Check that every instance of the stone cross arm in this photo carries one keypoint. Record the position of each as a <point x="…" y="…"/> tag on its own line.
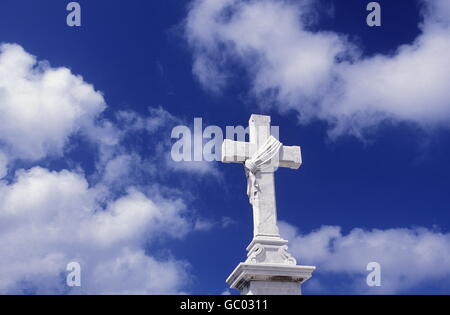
<point x="239" y="152"/>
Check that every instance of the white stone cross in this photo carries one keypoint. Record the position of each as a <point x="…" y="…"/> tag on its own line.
<point x="263" y="197"/>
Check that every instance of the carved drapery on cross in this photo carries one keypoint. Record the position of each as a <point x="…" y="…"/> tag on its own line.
<point x="261" y="156"/>
<point x="267" y="156"/>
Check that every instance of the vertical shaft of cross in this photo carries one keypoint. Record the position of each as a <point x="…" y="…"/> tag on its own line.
<point x="264" y="202"/>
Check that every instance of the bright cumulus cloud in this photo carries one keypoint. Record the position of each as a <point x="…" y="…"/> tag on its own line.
<point x="322" y="74"/>
<point x="106" y="221"/>
<point x="49" y="219"/>
<point x="408" y="257"/>
<point x="40" y="106"/>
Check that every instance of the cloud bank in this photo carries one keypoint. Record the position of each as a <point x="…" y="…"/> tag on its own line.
<point x="108" y="220"/>
<point x="322" y="74"/>
<point x="408" y="257"/>
<point x="49" y="219"/>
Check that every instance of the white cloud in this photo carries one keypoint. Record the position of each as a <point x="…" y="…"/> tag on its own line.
<point x="322" y="74"/>
<point x="117" y="168"/>
<point x="203" y="225"/>
<point x="227" y="221"/>
<point x="134" y="216"/>
<point x="157" y="119"/>
<point x="157" y="277"/>
<point x="207" y="225"/>
<point x="109" y="223"/>
<point x="40" y="106"/>
<point x="49" y="219"/>
<point x="3" y="165"/>
<point x="409" y="258"/>
<point x="200" y="168"/>
<point x="160" y="121"/>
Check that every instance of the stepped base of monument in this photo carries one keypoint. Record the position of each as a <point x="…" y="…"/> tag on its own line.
<point x="269" y="279"/>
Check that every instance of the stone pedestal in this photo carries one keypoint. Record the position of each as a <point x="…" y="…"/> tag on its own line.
<point x="269" y="270"/>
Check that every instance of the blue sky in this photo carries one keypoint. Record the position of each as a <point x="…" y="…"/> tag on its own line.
<point x="373" y="129"/>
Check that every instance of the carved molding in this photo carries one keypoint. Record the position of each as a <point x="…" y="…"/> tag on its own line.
<point x="261" y="253"/>
<point x="254" y="254"/>
<point x="288" y="258"/>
